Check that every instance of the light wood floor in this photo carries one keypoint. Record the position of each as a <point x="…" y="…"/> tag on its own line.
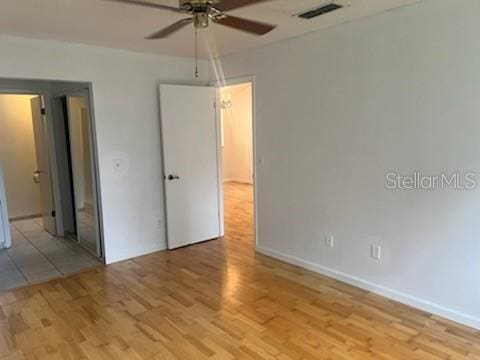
<point x="218" y="300"/>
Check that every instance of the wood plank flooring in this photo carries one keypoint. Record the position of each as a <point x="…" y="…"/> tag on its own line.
<point x="218" y="300"/>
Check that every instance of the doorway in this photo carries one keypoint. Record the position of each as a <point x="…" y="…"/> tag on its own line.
<point x="208" y="162"/>
<point x="47" y="160"/>
<point x="237" y="149"/>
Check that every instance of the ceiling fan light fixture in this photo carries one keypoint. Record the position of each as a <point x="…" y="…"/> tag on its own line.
<point x="192" y="6"/>
<point x="201" y="20"/>
<point x="200" y="13"/>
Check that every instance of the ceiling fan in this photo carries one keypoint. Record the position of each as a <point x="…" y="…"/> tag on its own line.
<point x="204" y="11"/>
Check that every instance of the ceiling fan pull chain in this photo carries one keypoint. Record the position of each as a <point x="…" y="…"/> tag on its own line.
<point x="197" y="74"/>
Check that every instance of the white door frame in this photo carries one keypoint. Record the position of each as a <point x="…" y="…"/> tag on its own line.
<point x="229" y="82"/>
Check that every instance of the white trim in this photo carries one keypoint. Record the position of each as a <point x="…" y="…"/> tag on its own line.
<point x="395" y="295"/>
<point x="219" y="144"/>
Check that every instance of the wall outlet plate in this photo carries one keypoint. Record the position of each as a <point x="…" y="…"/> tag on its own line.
<point x="376" y="252"/>
<point x="330" y="241"/>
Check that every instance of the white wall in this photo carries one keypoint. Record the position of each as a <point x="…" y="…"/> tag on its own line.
<point x="127" y="124"/>
<point x="238" y="134"/>
<point x="17" y="155"/>
<point x="338" y="109"/>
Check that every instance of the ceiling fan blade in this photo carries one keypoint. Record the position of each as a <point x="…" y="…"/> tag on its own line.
<point x="170" y="29"/>
<point x="147" y="4"/>
<point x="253" y="27"/>
<point x="226" y="5"/>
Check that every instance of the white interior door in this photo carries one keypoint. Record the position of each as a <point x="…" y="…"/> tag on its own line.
<point x="191" y="169"/>
<point x="43" y="172"/>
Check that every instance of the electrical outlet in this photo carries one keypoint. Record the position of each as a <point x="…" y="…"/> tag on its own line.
<point x="376" y="252"/>
<point x="329" y="241"/>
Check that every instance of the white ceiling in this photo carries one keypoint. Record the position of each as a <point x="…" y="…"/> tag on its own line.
<point x="115" y="25"/>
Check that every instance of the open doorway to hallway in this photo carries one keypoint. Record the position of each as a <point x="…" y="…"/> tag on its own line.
<point x="48" y="181"/>
<point x="236" y="103"/>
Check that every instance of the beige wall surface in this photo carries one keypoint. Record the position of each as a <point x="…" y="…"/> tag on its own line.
<point x="17" y="155"/>
<point x="238" y="134"/>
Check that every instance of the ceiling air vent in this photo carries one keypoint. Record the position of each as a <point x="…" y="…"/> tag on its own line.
<point x="313" y="13"/>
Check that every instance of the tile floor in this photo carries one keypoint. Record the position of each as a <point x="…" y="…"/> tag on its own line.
<point x="37" y="256"/>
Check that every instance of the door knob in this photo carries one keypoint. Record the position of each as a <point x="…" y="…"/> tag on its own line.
<point x="36" y="177"/>
<point x="173" y="177"/>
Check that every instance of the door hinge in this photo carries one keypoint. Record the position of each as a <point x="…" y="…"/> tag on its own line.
<point x="43" y="111"/>
<point x="53" y="213"/>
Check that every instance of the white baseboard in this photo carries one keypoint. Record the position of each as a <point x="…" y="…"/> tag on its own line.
<point x="395" y="295"/>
